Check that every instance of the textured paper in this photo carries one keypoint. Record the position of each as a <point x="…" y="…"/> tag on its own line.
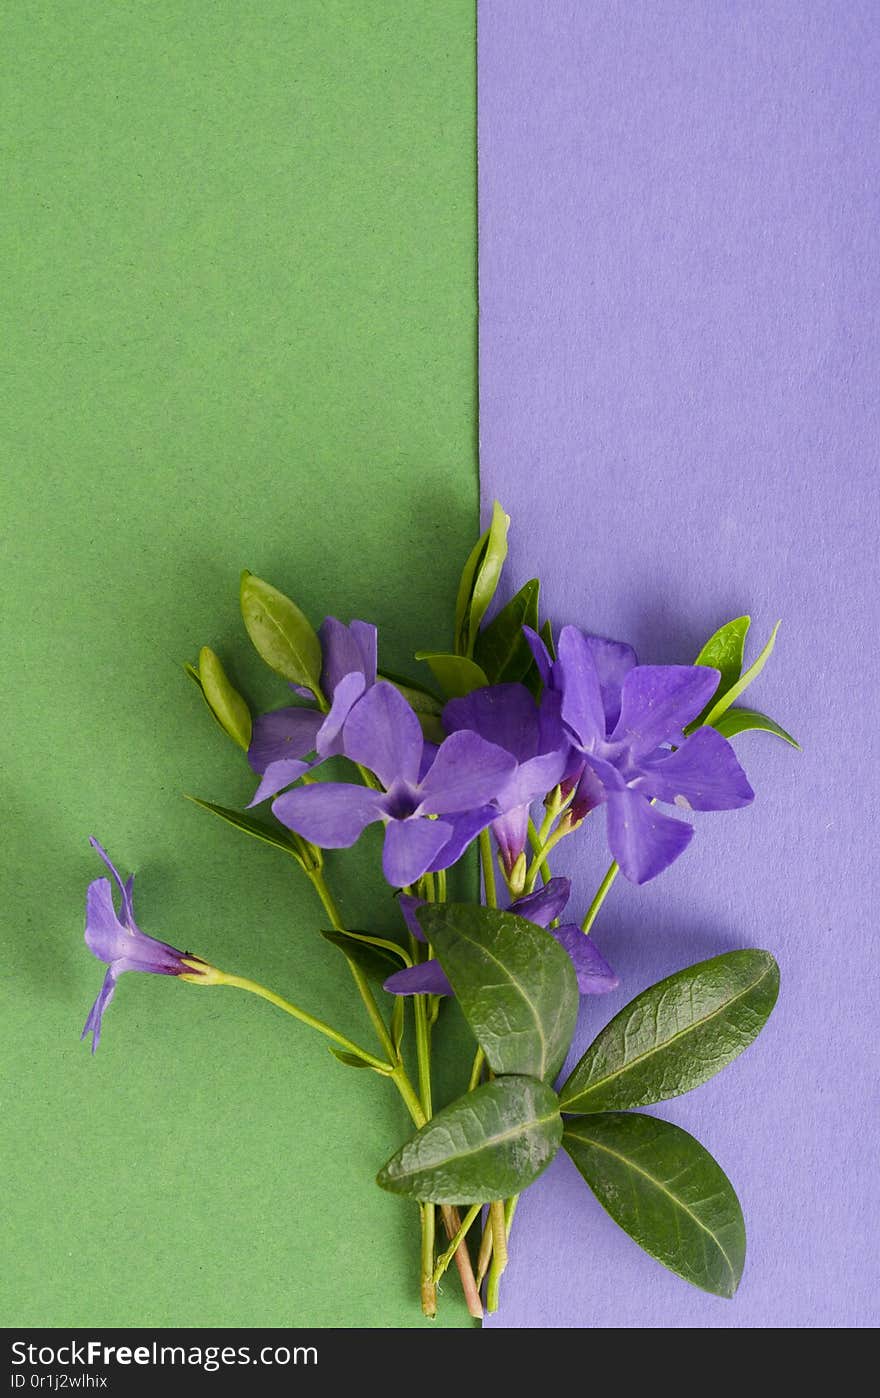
<point x="678" y="406"/>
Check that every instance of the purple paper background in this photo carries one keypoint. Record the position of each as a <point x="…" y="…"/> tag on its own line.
<point x="678" y="406"/>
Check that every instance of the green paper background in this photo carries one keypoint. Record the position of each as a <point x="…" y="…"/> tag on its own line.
<point x="239" y="311"/>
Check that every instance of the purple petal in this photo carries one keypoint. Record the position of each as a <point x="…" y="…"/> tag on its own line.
<point x="283" y="734"/>
<point x="429" y="752"/>
<point x="466" y="772"/>
<point x="703" y="775"/>
<point x="541" y="654"/>
<point x="511" y="831"/>
<point x="658" y="700"/>
<point x="464" y="828"/>
<point x="428" y="978"/>
<point x="343" y="651"/>
<point x="367" y="638"/>
<point x="126" y="947"/>
<point x="546" y="904"/>
<point x="533" y="779"/>
<point x="330" y="814"/>
<point x="409" y="906"/>
<point x="410" y="846"/>
<point x="125" y="889"/>
<point x="505" y="714"/>
<point x="96" y="1013"/>
<point x="277" y="776"/>
<point x="384" y="734"/>
<point x="594" y="975"/>
<point x="590" y="791"/>
<point x="643" y="840"/>
<point x="348" y="691"/>
<point x="582" y="707"/>
<point x="613" y="661"/>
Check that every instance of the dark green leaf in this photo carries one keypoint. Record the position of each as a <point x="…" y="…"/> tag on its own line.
<point x="665" y="1190"/>
<point x="724" y="652"/>
<point x="741" y="720"/>
<point x="546" y="634"/>
<point x="722" y="704"/>
<point x="374" y="956"/>
<point x="675" y="1035"/>
<point x="515" y="984"/>
<point x="224" y="701"/>
<point x="455" y="674"/>
<point x="277" y="836"/>
<point x="501" y="649"/>
<point x="489" y="1144"/>
<point x="479" y="581"/>
<point x="282" y="636"/>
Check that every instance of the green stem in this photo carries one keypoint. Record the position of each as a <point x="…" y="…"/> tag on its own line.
<point x="441" y="885"/>
<point x="423" y="1052"/>
<point x="601" y="894"/>
<point x="499" y="1252"/>
<point x="241" y="983"/>
<point x="444" y="1260"/>
<point x="476" y="1070"/>
<point x="484" y="1256"/>
<point x="429" y="1294"/>
<point x="319" y="883"/>
<point x="540" y="858"/>
<point x="538" y="850"/>
<point x="488" y="869"/>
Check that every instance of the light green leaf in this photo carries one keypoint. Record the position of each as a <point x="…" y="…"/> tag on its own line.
<point x="724" y="652"/>
<point x="675" y="1035"/>
<point x="281" y="634"/>
<point x="307" y="855"/>
<point x="741" y="720"/>
<point x="455" y="674"/>
<point x="515" y="984"/>
<point x="721" y="705"/>
<point x="479" y="581"/>
<point x="353" y="1060"/>
<point x="488" y="1144"/>
<point x="375" y="956"/>
<point x="501" y="648"/>
<point x="666" y="1191"/>
<point x="398" y="1021"/>
<point x="224" y="701"/>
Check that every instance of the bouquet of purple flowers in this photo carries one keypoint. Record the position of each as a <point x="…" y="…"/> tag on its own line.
<point x="519" y="739"/>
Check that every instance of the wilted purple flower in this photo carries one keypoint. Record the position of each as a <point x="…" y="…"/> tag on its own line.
<point x="431" y="812"/>
<point x="507" y="715"/>
<point x="118" y="941"/>
<point x="624" y="720"/>
<point x="594" y="975"/>
<point x="282" y="739"/>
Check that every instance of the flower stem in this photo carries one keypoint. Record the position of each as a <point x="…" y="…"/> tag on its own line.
<point x="538" y="850"/>
<point x="601" y="894"/>
<point x="241" y="983"/>
<point x="444" y="1260"/>
<point x="488" y="869"/>
<point x="429" y="1294"/>
<point x="498" y="1226"/>
<point x="476" y="1070"/>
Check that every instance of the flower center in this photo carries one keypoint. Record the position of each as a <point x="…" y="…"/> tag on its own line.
<point x="402" y="801"/>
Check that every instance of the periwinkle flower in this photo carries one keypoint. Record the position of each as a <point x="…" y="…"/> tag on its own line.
<point x="433" y="804"/>
<point x="626" y="724"/>
<point x="117" y="940"/>
<point x="594" y="975"/>
<point x="282" y="740"/>
<point x="506" y="714"/>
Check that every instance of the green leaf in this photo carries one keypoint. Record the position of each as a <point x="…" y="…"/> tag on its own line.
<point x="501" y="649"/>
<point x="546" y="634"/>
<point x="515" y="984"/>
<point x="724" y="652"/>
<point x="372" y="955"/>
<point x="398" y="1022"/>
<point x="741" y="720"/>
<point x="488" y="1144"/>
<point x="479" y="581"/>
<point x="455" y="674"/>
<point x="666" y="1191"/>
<point x="722" y="704"/>
<point x="224" y="701"/>
<point x="353" y="1060"/>
<point x="282" y="839"/>
<point x="427" y="705"/>
<point x="282" y="636"/>
<point x="675" y="1035"/>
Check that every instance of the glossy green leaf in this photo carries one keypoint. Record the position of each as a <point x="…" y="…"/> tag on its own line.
<point x="479" y="580"/>
<point x="724" y="652"/>
<point x="223" y="699"/>
<point x="376" y="957"/>
<point x="427" y="705"/>
<point x="281" y="634"/>
<point x="546" y="634"/>
<point x="721" y="705"/>
<point x="741" y="720"/>
<point x="501" y="648"/>
<point x="488" y="1144"/>
<point x="675" y="1035"/>
<point x="455" y="674"/>
<point x="515" y="984"/>
<point x="275" y="835"/>
<point x="666" y="1191"/>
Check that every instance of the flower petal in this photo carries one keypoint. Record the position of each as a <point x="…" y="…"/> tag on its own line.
<point x="658" y="700"/>
<point x="346" y="650"/>
<point x="643" y="840"/>
<point x="410" y="846"/>
<point x="427" y="978"/>
<point x="96" y="1013"/>
<point x="409" y="906"/>
<point x="545" y="904"/>
<point x="125" y="889"/>
<point x="613" y="661"/>
<point x="703" y="775"/>
<point x="330" y="814"/>
<point x="284" y="734"/>
<point x="277" y="776"/>
<point x="367" y="638"/>
<point x="511" y="831"/>
<point x="594" y="975"/>
<point x="464" y="828"/>
<point x="533" y="779"/>
<point x="541" y="654"/>
<point x="467" y="772"/>
<point x="346" y="694"/>
<point x="383" y="733"/>
<point x="582" y="708"/>
<point x="505" y="714"/>
<point x="106" y="937"/>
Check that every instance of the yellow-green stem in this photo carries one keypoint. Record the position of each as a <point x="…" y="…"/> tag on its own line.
<point x="499" y="1252"/>
<point x="241" y="983"/>
<point x="488" y="863"/>
<point x="429" y="1294"/>
<point x="601" y="894"/>
<point x="444" y="1260"/>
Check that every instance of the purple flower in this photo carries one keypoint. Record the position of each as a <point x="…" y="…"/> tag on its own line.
<point x="507" y="715"/>
<point x="432" y="805"/>
<point x="282" y="739"/>
<point x="594" y="975"/>
<point x="626" y="723"/>
<point x="118" y="941"/>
